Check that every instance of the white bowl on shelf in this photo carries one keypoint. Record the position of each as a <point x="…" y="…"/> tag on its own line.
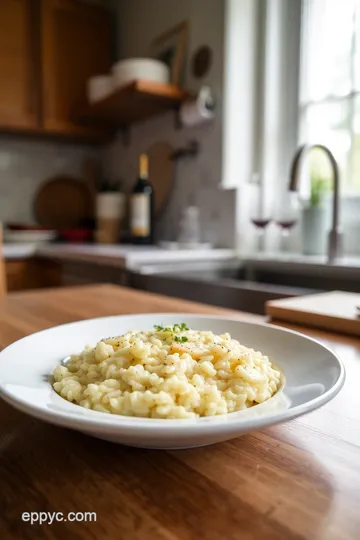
<point x="147" y="69"/>
<point x="99" y="87"/>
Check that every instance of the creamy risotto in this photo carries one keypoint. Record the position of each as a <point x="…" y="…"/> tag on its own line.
<point x="168" y="372"/>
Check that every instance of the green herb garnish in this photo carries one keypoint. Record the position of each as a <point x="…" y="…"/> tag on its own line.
<point x="182" y="327"/>
<point x="181" y="339"/>
<point x="177" y="327"/>
<point x="158" y="327"/>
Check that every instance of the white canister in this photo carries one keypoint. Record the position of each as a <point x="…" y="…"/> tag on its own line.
<point x="110" y="205"/>
<point x="110" y="213"/>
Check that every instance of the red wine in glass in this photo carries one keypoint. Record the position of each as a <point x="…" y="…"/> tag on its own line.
<point x="261" y="223"/>
<point x="286" y="224"/>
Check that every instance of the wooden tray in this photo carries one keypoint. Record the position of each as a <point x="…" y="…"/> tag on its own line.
<point x="63" y="202"/>
<point x="335" y="311"/>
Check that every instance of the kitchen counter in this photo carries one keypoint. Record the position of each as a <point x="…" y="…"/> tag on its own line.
<point x="127" y="256"/>
<point x="18" y="251"/>
<point x="133" y="256"/>
<point x="75" y="264"/>
<point x="295" y="480"/>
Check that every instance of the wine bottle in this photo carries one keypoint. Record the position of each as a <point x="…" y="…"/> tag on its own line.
<point x="141" y="206"/>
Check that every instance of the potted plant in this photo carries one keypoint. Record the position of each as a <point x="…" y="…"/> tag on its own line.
<point x="314" y="218"/>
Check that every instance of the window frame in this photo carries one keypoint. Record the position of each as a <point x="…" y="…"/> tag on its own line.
<point x="350" y="191"/>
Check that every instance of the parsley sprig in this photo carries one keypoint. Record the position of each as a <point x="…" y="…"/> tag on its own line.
<point x="158" y="327"/>
<point x="181" y="339"/>
<point x="182" y="327"/>
<point x="176" y="328"/>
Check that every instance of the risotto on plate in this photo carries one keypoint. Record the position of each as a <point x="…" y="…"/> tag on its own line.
<point x="168" y="372"/>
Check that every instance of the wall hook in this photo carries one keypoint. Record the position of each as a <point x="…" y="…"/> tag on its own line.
<point x="190" y="150"/>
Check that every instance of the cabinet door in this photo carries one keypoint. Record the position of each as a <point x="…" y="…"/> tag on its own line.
<point x="18" y="64"/>
<point x="75" y="45"/>
<point x="15" y="275"/>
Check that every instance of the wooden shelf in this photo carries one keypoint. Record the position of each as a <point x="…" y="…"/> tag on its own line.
<point x="132" y="103"/>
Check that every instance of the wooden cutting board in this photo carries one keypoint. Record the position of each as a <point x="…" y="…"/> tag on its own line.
<point x="335" y="311"/>
<point x="63" y="202"/>
<point x="161" y="172"/>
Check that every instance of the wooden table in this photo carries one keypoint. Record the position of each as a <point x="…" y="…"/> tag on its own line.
<point x="299" y="480"/>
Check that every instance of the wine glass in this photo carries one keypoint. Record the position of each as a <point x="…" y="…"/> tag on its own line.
<point x="261" y="221"/>
<point x="286" y="217"/>
<point x="260" y="210"/>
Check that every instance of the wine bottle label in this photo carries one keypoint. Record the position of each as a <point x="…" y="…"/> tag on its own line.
<point x="140" y="215"/>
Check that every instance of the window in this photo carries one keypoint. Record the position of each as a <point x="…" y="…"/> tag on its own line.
<point x="330" y="83"/>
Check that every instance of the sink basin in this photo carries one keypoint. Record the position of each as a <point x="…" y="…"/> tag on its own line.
<point x="292" y="274"/>
<point x="226" y="285"/>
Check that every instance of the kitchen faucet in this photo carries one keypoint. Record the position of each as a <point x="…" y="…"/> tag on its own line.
<point x="335" y="236"/>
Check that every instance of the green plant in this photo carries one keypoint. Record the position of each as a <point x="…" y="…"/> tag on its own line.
<point x="320" y="174"/>
<point x="319" y="186"/>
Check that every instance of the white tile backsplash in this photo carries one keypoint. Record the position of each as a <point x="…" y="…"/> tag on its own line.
<point x="26" y="163"/>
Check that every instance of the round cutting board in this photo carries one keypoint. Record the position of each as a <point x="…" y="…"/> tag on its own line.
<point x="161" y="170"/>
<point x="63" y="202"/>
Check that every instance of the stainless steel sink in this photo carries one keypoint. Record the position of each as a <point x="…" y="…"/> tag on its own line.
<point x="292" y="274"/>
<point x="216" y="283"/>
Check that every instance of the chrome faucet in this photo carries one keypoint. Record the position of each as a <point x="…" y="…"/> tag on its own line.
<point x="335" y="236"/>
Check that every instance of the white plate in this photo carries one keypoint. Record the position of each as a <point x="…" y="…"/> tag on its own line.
<point x="32" y="237"/>
<point x="313" y="375"/>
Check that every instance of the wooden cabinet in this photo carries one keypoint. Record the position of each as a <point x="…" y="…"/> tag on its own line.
<point x="32" y="273"/>
<point x="86" y="272"/>
<point x="75" y="46"/>
<point x="19" y="76"/>
<point x="48" y="50"/>
<point x="40" y="272"/>
<point x="16" y="275"/>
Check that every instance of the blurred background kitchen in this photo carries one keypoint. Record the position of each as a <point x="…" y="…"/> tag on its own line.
<point x="208" y="149"/>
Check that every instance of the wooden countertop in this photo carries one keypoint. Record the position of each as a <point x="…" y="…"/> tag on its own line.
<point x="298" y="480"/>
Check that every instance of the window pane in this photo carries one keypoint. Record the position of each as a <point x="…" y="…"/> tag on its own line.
<point x="329" y="124"/>
<point x="354" y="184"/>
<point x="357" y="48"/>
<point x="326" y="48"/>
